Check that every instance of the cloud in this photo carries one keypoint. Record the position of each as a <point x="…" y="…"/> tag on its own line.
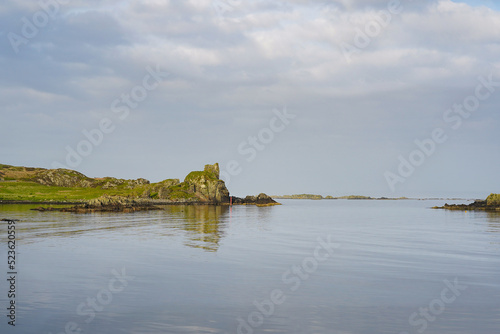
<point x="229" y="69"/>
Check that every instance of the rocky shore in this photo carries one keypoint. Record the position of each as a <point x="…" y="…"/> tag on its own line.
<point x="198" y="187"/>
<point x="492" y="203"/>
<point x="259" y="200"/>
<point x="106" y="204"/>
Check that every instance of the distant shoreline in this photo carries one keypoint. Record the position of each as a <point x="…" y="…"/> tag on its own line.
<point x="7" y="202"/>
<point x="367" y="198"/>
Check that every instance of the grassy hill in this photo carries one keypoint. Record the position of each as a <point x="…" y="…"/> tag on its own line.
<point x="43" y="185"/>
<point x="27" y="184"/>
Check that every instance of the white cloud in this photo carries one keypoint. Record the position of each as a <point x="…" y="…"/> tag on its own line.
<point x="258" y="56"/>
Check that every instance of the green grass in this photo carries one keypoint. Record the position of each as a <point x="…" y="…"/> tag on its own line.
<point x="179" y="191"/>
<point x="19" y="185"/>
<point x="198" y="175"/>
<point x="34" y="192"/>
<point x="2" y="166"/>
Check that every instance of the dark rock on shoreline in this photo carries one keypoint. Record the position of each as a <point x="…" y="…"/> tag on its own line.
<point x="259" y="200"/>
<point x="492" y="203"/>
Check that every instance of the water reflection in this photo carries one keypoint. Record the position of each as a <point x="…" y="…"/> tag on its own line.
<point x="384" y="271"/>
<point x="493" y="227"/>
<point x="203" y="224"/>
<point x="34" y="227"/>
<point x="493" y="221"/>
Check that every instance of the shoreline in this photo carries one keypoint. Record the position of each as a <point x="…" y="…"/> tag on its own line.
<point x="153" y="203"/>
<point x="379" y="199"/>
<point x="7" y="202"/>
<point x="64" y="187"/>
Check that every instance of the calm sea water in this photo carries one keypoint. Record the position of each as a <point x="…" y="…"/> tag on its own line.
<point x="360" y="267"/>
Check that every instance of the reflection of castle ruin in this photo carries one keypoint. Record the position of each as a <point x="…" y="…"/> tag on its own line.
<point x="493" y="221"/>
<point x="202" y="224"/>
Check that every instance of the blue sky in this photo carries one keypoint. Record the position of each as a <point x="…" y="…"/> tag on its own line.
<point x="487" y="3"/>
<point x="292" y="96"/>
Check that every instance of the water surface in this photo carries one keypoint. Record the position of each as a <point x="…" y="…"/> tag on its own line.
<point x="208" y="269"/>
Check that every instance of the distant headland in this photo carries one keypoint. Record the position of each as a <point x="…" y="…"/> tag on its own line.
<point x="64" y="186"/>
<point x="352" y="197"/>
<point x="318" y="197"/>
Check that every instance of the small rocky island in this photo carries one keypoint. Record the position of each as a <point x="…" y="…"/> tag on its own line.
<point x="492" y="203"/>
<point x="38" y="185"/>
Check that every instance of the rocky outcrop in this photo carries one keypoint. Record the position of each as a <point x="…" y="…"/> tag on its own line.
<point x="259" y="200"/>
<point x="160" y="190"/>
<point x="64" y="178"/>
<point x="197" y="187"/>
<point x="113" y="183"/>
<point x="73" y="179"/>
<point x="207" y="186"/>
<point x="492" y="203"/>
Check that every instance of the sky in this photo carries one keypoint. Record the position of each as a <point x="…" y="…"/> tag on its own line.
<point x="381" y="98"/>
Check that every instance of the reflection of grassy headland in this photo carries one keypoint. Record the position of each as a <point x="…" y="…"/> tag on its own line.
<point x="202" y="224"/>
<point x="493" y="221"/>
